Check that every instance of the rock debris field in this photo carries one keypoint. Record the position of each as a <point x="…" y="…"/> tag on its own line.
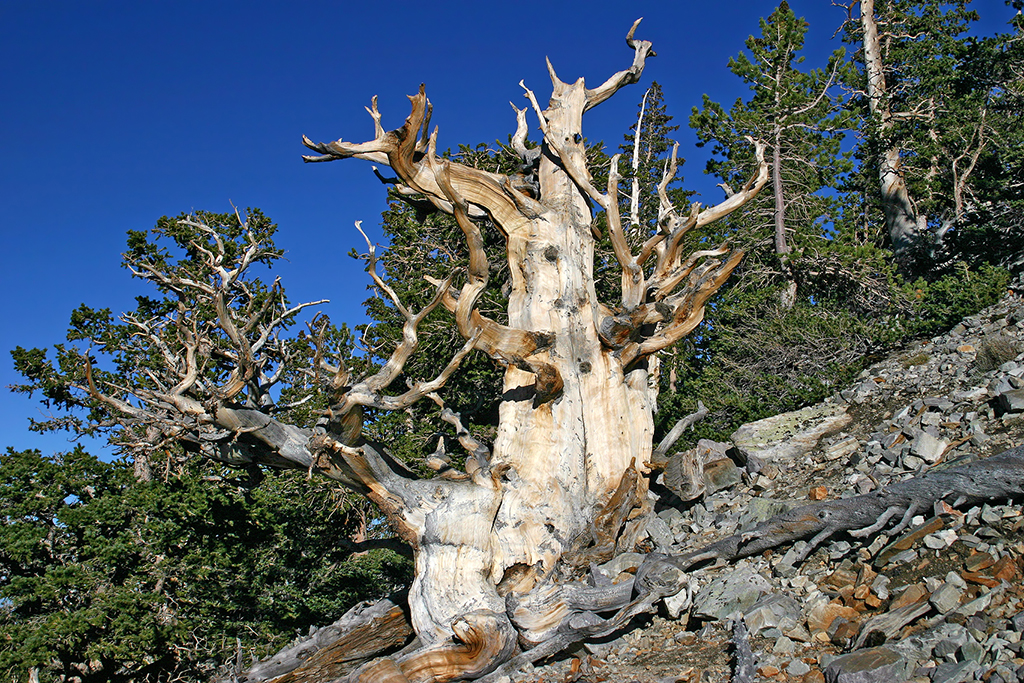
<point x="932" y="595"/>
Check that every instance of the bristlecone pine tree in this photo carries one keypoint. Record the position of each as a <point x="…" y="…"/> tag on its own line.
<point x="926" y="125"/>
<point x="502" y="548"/>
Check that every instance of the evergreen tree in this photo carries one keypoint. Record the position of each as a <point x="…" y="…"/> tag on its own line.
<point x="646" y="153"/>
<point x="794" y="113"/>
<point x="990" y="201"/>
<point x="146" y="568"/>
<point x="931" y="107"/>
<point x="107" y="578"/>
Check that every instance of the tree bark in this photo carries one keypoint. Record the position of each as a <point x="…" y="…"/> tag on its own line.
<point x="905" y="226"/>
<point x="782" y="249"/>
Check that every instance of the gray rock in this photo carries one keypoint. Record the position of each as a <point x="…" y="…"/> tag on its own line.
<point x="939" y="402"/>
<point x="735" y="591"/>
<point x="777" y="610"/>
<point x="951" y="672"/>
<point x="999" y="385"/>
<point x="904" y="557"/>
<point x="971" y="650"/>
<point x="672" y="516"/>
<point x="710" y="450"/>
<point x="1017" y="621"/>
<point x="880" y="586"/>
<point x="871" y="665"/>
<point x="946" y="649"/>
<point x="790" y="435"/>
<point x="990" y="515"/>
<point x="975" y="394"/>
<point x="946" y="598"/>
<point x="922" y="645"/>
<point x="659" y="531"/>
<point x="676" y="605"/>
<point x="977" y="605"/>
<point x="784" y="646"/>
<point x="927" y="447"/>
<point x="797" y="668"/>
<point x="721" y="474"/>
<point x="1012" y="401"/>
<point x="842" y="448"/>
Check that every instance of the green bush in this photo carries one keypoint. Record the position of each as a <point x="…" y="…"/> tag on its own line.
<point x="110" y="579"/>
<point x="941" y="303"/>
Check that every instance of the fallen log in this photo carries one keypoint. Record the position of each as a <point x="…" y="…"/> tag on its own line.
<point x="997" y="478"/>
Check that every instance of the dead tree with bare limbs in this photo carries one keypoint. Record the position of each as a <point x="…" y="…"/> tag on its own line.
<point x="503" y="546"/>
<point x="500" y="546"/>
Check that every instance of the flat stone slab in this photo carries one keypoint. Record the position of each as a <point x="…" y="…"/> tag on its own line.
<point x="871" y="665"/>
<point x="790" y="435"/>
<point x="1012" y="401"/>
<point x="736" y="591"/>
<point x="776" y="610"/>
<point x="721" y="474"/>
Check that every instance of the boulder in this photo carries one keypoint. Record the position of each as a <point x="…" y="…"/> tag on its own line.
<point x="733" y="592"/>
<point x="871" y="665"/>
<point x="790" y="435"/>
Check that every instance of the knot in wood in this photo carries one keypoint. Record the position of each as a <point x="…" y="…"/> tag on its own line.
<point x="551" y="253"/>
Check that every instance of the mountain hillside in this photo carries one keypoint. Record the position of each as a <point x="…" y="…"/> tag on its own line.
<point x="933" y="597"/>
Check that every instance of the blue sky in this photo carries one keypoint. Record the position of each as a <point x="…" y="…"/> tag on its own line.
<point x="116" y="113"/>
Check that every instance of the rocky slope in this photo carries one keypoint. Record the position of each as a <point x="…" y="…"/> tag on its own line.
<point x="935" y="596"/>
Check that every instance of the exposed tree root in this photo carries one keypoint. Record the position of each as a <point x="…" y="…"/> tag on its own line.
<point x="483" y="639"/>
<point x="995" y="478"/>
<point x="364" y="631"/>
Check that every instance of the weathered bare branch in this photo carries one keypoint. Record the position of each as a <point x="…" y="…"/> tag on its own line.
<point x="403" y="149"/>
<point x="642" y="50"/>
<point x="480" y="454"/>
<point x="632" y="274"/>
<point x="519" y="139"/>
<point x="677" y="430"/>
<point x="689" y="309"/>
<point x="634" y="199"/>
<point x="676" y="313"/>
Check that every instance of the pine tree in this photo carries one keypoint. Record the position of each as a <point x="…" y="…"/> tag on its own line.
<point x="107" y="578"/>
<point x="647" y="153"/>
<point x="795" y="114"/>
<point x="922" y="120"/>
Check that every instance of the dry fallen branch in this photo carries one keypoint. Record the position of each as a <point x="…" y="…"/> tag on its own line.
<point x="995" y="478"/>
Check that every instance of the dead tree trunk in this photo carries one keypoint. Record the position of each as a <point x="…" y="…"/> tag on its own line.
<point x="905" y="225"/>
<point x="1000" y="477"/>
<point x="496" y="550"/>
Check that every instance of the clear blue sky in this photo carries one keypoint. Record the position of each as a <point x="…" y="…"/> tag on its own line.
<point x="116" y="113"/>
